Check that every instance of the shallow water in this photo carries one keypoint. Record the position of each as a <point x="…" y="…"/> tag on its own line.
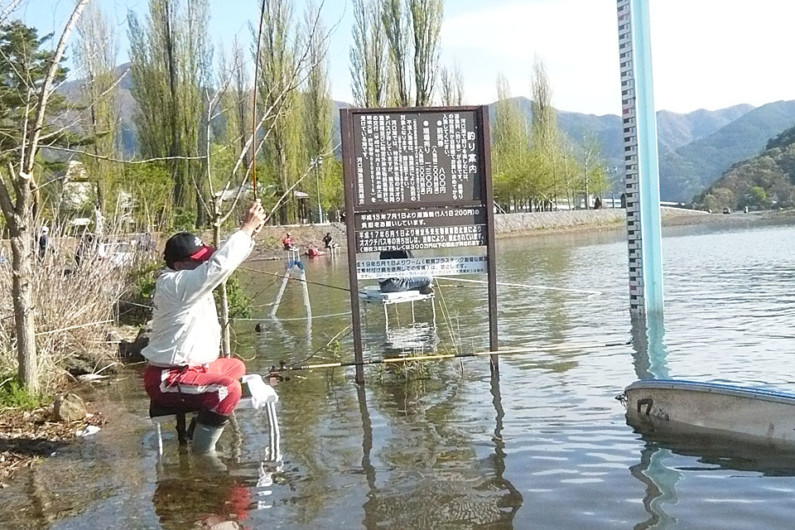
<point x="546" y="446"/>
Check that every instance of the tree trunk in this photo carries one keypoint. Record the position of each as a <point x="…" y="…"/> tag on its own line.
<point x="201" y="213"/>
<point x="226" y="341"/>
<point x="180" y="191"/>
<point x="22" y="296"/>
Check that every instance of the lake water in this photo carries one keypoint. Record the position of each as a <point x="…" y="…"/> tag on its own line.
<point x="546" y="446"/>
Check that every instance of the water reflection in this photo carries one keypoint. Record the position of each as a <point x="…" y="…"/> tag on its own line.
<point x="671" y="456"/>
<point x="648" y="342"/>
<point x="415" y="339"/>
<point x="400" y="330"/>
<point x="208" y="490"/>
<point x="200" y="490"/>
<point x="367" y="444"/>
<point x="425" y="484"/>
<point x="513" y="499"/>
<point x="660" y="484"/>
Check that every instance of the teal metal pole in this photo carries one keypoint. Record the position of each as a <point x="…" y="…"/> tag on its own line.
<point x="648" y="159"/>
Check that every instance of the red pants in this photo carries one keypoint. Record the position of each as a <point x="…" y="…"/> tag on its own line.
<point x="214" y="387"/>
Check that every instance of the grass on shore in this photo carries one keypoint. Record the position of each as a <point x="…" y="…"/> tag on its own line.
<point x="14" y="396"/>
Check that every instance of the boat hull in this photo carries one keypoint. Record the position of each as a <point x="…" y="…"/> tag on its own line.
<point x="754" y="415"/>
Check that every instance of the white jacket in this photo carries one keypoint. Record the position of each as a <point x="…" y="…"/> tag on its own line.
<point x="185" y="328"/>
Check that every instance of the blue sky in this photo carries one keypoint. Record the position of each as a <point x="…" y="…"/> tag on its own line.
<point x="706" y="53"/>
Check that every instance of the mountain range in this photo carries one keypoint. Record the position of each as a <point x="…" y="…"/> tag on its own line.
<point x="695" y="148"/>
<point x="764" y="181"/>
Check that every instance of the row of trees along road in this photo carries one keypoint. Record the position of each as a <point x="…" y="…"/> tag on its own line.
<point x="534" y="166"/>
<point x="205" y="126"/>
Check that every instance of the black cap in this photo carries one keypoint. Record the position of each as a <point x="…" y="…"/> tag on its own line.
<point x="183" y="246"/>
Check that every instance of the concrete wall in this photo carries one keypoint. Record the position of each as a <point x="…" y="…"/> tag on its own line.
<point x="507" y="225"/>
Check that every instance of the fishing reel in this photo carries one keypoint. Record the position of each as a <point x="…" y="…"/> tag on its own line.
<point x="276" y="373"/>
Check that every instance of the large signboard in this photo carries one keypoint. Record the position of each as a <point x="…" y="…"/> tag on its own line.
<point x="417" y="179"/>
<point x="415" y="158"/>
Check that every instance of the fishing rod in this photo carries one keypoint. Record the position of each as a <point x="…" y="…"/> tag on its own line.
<point x="283" y="367"/>
<point x="254" y="106"/>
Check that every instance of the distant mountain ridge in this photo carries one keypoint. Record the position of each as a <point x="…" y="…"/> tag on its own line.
<point x="690" y="169"/>
<point x="695" y="148"/>
<point x="676" y="130"/>
<point x="764" y="181"/>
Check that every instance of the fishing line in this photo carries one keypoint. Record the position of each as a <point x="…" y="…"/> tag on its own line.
<point x="446" y="318"/>
<point x="296" y="279"/>
<point x="463" y="280"/>
<point x="339" y="335"/>
<point x="524" y="286"/>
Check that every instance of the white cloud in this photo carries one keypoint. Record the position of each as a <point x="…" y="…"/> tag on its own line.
<point x="576" y="39"/>
<point x="713" y="53"/>
<point x="706" y="53"/>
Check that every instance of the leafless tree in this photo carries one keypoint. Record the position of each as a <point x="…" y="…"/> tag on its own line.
<point x="16" y="202"/>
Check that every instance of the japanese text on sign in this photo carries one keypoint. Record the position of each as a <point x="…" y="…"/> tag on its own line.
<point x="406" y="268"/>
<point x="411" y="157"/>
<point x="420" y="238"/>
<point x="416" y="218"/>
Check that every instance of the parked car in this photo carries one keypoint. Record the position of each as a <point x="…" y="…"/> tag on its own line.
<point x="118" y="252"/>
<point x="727" y="210"/>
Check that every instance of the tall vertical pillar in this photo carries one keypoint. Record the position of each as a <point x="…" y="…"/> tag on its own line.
<point x="640" y="159"/>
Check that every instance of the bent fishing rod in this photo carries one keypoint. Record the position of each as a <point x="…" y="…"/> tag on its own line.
<point x="284" y="367"/>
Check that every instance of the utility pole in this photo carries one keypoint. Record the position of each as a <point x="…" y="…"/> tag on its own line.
<point x="586" y="182"/>
<point x="613" y="186"/>
<point x="315" y="163"/>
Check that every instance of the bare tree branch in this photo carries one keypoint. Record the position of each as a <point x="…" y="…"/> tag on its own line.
<point x="119" y="161"/>
<point x="8" y="9"/>
<point x="48" y="80"/>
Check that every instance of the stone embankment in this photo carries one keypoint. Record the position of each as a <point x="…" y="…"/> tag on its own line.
<point x="507" y="225"/>
<point x="544" y="222"/>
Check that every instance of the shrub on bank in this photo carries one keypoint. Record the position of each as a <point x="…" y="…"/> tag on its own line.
<point x="75" y="306"/>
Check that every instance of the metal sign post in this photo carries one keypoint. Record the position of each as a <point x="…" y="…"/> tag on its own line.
<point x="417" y="179"/>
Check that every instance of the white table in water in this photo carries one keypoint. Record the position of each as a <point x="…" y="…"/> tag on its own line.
<point x="373" y="295"/>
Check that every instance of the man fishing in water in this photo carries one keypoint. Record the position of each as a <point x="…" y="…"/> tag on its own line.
<point x="184" y="368"/>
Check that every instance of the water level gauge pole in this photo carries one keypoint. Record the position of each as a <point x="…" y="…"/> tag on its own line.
<point x="640" y="159"/>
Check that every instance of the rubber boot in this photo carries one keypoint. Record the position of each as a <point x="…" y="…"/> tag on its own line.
<point x="209" y="427"/>
<point x="205" y="437"/>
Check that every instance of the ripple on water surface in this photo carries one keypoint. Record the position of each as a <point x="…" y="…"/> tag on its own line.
<point x="547" y="447"/>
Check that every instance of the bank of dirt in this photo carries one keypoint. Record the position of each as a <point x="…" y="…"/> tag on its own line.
<point x="28" y="436"/>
